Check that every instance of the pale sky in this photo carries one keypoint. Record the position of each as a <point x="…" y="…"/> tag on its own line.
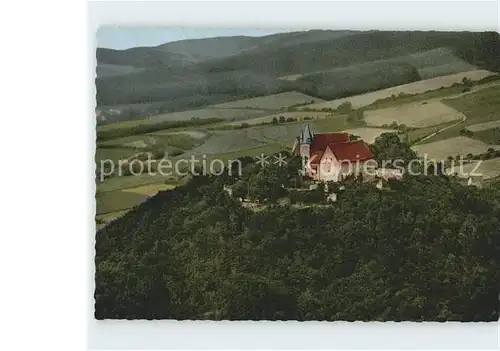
<point x="128" y="37"/>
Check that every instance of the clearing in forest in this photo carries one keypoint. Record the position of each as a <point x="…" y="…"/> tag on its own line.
<point x="484" y="126"/>
<point x="296" y="115"/>
<point x="418" y="87"/>
<point x="275" y="101"/>
<point x="442" y="149"/>
<point x="418" y="115"/>
<point x="150" y="189"/>
<point x="487" y="169"/>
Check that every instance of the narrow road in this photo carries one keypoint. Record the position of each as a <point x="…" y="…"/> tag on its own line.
<point x="441" y="130"/>
<point x="464" y="117"/>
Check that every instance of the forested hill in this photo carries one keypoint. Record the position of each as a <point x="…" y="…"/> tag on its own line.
<point x="426" y="249"/>
<point x="195" y="73"/>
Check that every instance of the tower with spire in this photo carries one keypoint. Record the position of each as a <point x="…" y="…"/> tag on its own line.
<point x="305" y="140"/>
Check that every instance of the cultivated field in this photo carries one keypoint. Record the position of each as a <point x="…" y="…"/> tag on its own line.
<point x="484" y="126"/>
<point x="114" y="154"/>
<point x="430" y="64"/>
<point x="278" y="133"/>
<point x="149" y="190"/>
<point x="416" y="115"/>
<point x="118" y="195"/>
<point x="419" y="134"/>
<point x="487" y="169"/>
<point x="440" y="150"/>
<point x="117" y="200"/>
<point x="275" y="101"/>
<point x="238" y="140"/>
<point x="479" y="106"/>
<point x="226" y="141"/>
<point x="437" y="62"/>
<point x="108" y="217"/>
<point x="292" y="77"/>
<point x="119" y="183"/>
<point x="223" y="112"/>
<point x="195" y="134"/>
<point x="369" y="134"/>
<point x="298" y="115"/>
<point x="111" y="205"/>
<point x="422" y="86"/>
<point x="155" y="140"/>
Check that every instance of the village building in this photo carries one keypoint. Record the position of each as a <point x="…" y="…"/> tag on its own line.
<point x="332" y="156"/>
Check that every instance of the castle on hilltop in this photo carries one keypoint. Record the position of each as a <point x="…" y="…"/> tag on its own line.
<point x="331" y="156"/>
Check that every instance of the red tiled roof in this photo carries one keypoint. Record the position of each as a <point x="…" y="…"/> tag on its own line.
<point x="321" y="141"/>
<point x="351" y="151"/>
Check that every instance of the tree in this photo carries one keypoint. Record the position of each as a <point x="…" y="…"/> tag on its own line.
<point x="194" y="253"/>
<point x="437" y="169"/>
<point x="344" y="108"/>
<point x="282" y="119"/>
<point x="496" y="135"/>
<point x="267" y="184"/>
<point x="388" y="147"/>
<point x="333" y="187"/>
<point x="275" y="120"/>
<point x="240" y="189"/>
<point x="467" y="83"/>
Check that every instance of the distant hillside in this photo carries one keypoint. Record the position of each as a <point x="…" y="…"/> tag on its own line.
<point x="195" y="73"/>
<point x="198" y="50"/>
<point x="345" y="81"/>
<point x="139" y="57"/>
<point x="109" y="70"/>
<point x="359" y="48"/>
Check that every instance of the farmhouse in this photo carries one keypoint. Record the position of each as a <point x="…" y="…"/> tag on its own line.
<point x="332" y="156"/>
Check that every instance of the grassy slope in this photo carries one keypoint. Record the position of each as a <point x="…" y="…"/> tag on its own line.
<point x="255" y="72"/>
<point x="344" y="51"/>
<point x="118" y="183"/>
<point x="117" y="200"/>
<point x="274" y="138"/>
<point x="182" y="141"/>
<point x="123" y="148"/>
<point x="117" y="196"/>
<point x="113" y="154"/>
<point x="417" y="134"/>
<point x="272" y="145"/>
<point x="400" y="100"/>
<point x="480" y="106"/>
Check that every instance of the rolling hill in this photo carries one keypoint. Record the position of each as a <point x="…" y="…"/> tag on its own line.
<point x="191" y="74"/>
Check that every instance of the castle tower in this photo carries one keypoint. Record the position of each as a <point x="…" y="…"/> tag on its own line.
<point x="306" y="139"/>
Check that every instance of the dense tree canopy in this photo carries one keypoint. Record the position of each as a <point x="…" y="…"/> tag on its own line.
<point x="425" y="248"/>
<point x="388" y="147"/>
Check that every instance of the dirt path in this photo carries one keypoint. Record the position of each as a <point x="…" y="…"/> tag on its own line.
<point x="441" y="130"/>
<point x="464" y="117"/>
